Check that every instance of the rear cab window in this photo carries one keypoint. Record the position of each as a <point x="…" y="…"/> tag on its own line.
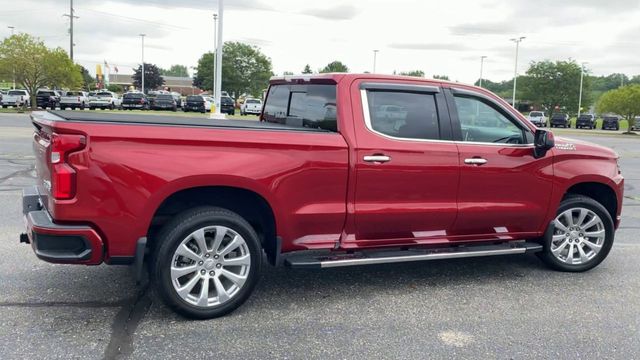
<point x="305" y="106"/>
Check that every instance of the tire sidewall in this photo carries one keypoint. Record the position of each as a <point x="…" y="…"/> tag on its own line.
<point x="590" y="204"/>
<point x="175" y="233"/>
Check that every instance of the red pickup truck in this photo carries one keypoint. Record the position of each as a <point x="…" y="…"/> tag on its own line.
<point x="341" y="170"/>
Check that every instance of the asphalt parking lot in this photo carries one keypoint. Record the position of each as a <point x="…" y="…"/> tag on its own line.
<point x="501" y="307"/>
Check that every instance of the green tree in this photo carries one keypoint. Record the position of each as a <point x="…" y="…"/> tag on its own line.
<point x="152" y="77"/>
<point x="175" y="70"/>
<point x="414" y="73"/>
<point x="88" y="81"/>
<point x="335" y="67"/>
<point x="441" y="77"/>
<point x="307" y="69"/>
<point x="245" y="69"/>
<point x="118" y="88"/>
<point x="624" y="101"/>
<point x="555" y="84"/>
<point x="35" y="66"/>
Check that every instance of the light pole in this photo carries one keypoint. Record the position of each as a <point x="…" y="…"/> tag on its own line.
<point x="481" y="67"/>
<point x="515" y="73"/>
<point x="14" y="70"/>
<point x="215" y="44"/>
<point x="581" y="82"/>
<point x="142" y="36"/>
<point x="218" y="74"/>
<point x="71" y="16"/>
<point x="375" y="58"/>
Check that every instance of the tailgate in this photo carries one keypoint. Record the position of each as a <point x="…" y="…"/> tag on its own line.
<point x="42" y="150"/>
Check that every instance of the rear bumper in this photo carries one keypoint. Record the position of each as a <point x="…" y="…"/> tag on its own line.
<point x="51" y="242"/>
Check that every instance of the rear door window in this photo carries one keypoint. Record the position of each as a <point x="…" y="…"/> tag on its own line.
<point x="310" y="106"/>
<point x="406" y="115"/>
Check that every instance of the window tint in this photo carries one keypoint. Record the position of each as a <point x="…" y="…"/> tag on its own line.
<point x="404" y="114"/>
<point x="252" y="101"/>
<point x="164" y="97"/>
<point x="312" y="106"/>
<point x="195" y="98"/>
<point x="482" y="123"/>
<point x="17" y="92"/>
<point x="105" y="94"/>
<point x="536" y="113"/>
<point x="133" y="96"/>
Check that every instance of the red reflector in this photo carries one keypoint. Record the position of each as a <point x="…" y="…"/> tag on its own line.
<point x="63" y="179"/>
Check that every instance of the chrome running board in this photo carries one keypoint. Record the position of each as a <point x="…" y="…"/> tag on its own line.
<point x="415" y="254"/>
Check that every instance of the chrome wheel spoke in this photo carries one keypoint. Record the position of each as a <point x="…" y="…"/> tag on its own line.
<point x="568" y="217"/>
<point x="220" y="233"/>
<point x="198" y="236"/>
<point x="557" y="238"/>
<point x="221" y="292"/>
<point x="581" y="217"/>
<point x="238" y="261"/>
<point x="186" y="289"/>
<point x="595" y="247"/>
<point x="203" y="300"/>
<point x="560" y="226"/>
<point x="583" y="256"/>
<point x="184" y="251"/>
<point x="560" y="247"/>
<point x="570" y="254"/>
<point x="178" y="272"/>
<point x="237" y="241"/>
<point x="235" y="278"/>
<point x="595" y="220"/>
<point x="595" y="234"/>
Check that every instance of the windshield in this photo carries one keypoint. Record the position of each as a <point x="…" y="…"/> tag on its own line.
<point x="16" y="92"/>
<point x="164" y="97"/>
<point x="46" y="93"/>
<point x="104" y="94"/>
<point x="133" y="96"/>
<point x="253" y="101"/>
<point x="226" y="101"/>
<point x="74" y="93"/>
<point x="195" y="98"/>
<point x="535" y="114"/>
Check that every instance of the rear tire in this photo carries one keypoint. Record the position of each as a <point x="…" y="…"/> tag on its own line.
<point x="587" y="238"/>
<point x="202" y="243"/>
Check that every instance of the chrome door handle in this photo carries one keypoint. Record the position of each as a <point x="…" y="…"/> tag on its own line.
<point x="377" y="158"/>
<point x="475" y="161"/>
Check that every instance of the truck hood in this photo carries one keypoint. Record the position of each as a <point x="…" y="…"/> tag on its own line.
<point x="581" y="147"/>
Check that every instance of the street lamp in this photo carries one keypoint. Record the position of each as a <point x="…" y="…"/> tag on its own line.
<point x="581" y="82"/>
<point x="142" y="37"/>
<point x="375" y="56"/>
<point x="481" y="67"/>
<point x="218" y="60"/>
<point x="515" y="73"/>
<point x="215" y="26"/>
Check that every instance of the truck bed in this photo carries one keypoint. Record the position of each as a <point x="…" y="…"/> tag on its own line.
<point x="168" y="120"/>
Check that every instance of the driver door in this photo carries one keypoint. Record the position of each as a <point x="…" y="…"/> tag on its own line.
<point x="504" y="191"/>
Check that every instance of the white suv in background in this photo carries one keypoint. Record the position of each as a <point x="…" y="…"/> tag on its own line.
<point x="538" y="119"/>
<point x="104" y="100"/>
<point x="251" y="106"/>
<point x="16" y="98"/>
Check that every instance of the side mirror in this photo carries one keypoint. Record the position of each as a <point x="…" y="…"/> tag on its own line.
<point x="542" y="142"/>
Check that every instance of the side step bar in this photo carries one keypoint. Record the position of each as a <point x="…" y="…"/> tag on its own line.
<point x="418" y="254"/>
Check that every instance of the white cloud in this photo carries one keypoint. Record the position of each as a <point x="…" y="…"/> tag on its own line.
<point x="436" y="37"/>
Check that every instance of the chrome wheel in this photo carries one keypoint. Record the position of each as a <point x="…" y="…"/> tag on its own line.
<point x="578" y="236"/>
<point x="210" y="266"/>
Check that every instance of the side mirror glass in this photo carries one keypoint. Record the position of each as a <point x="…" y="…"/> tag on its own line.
<point x="543" y="142"/>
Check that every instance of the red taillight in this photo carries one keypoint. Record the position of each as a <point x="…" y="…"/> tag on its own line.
<point x="63" y="176"/>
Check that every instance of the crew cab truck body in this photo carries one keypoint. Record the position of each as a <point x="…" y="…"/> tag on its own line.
<point x="320" y="181"/>
<point x="74" y="100"/>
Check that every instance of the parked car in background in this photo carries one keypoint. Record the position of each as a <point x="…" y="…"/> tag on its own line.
<point x="209" y="103"/>
<point x="537" y="118"/>
<point x="178" y="98"/>
<point x="135" y="100"/>
<point x="104" y="100"/>
<point x="227" y="105"/>
<point x="560" y="119"/>
<point x="164" y="102"/>
<point x="47" y="99"/>
<point x="74" y="100"/>
<point x="196" y="103"/>
<point x="16" y="98"/>
<point x="586" y="121"/>
<point x="611" y="122"/>
<point x="251" y="106"/>
<point x="636" y="124"/>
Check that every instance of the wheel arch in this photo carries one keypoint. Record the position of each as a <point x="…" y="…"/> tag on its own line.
<point x="601" y="192"/>
<point x="246" y="202"/>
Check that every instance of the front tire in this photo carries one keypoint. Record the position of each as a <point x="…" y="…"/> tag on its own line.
<point x="206" y="263"/>
<point x="580" y="237"/>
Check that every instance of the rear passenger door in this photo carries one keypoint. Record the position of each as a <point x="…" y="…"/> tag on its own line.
<point x="406" y="165"/>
